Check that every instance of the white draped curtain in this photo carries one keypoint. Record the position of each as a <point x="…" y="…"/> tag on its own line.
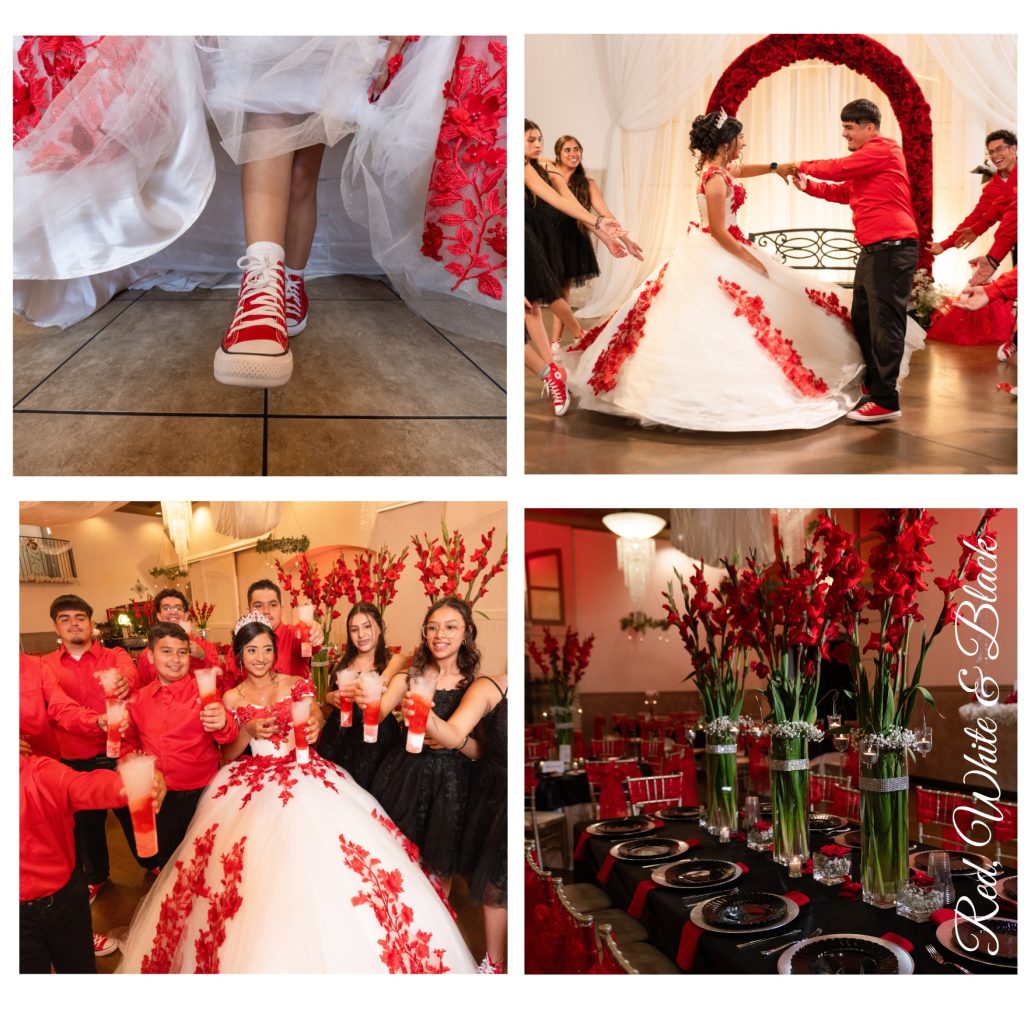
<point x="63" y="513"/>
<point x="637" y="95"/>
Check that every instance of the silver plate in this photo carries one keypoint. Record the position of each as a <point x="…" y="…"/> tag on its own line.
<point x="696" y="916"/>
<point x="905" y="960"/>
<point x="944" y="933"/>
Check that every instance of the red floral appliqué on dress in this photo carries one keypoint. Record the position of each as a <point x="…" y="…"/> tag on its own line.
<point x="254" y="772"/>
<point x="626" y="339"/>
<point x="466" y="208"/>
<point x="829" y="302"/>
<point x="587" y="338"/>
<point x="402" y="950"/>
<point x="413" y="853"/>
<point x="177" y="905"/>
<point x="46" y="65"/>
<point x="772" y="341"/>
<point x="223" y="906"/>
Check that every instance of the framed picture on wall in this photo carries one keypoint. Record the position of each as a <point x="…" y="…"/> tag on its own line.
<point x="544" y="605"/>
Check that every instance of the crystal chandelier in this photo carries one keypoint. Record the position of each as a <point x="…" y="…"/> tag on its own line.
<point x="177" y="516"/>
<point x="635" y="532"/>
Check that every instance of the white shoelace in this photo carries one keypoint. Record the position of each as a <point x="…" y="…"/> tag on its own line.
<point x="263" y="284"/>
<point x="292" y="290"/>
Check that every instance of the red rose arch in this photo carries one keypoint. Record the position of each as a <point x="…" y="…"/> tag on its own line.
<point x="867" y="57"/>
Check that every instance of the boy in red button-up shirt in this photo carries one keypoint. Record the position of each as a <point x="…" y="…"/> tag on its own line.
<point x="75" y="665"/>
<point x="54" y="921"/>
<point x="166" y="721"/>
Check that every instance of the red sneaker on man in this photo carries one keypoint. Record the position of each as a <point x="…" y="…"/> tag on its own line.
<point x="296" y="304"/>
<point x="1007" y="351"/>
<point x="555" y="388"/>
<point x="254" y="352"/>
<point x="872" y="412"/>
<point x="103" y="945"/>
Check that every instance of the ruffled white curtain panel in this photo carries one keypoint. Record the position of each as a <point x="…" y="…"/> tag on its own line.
<point x="710" y="534"/>
<point x="63" y="513"/>
<point x="245" y="519"/>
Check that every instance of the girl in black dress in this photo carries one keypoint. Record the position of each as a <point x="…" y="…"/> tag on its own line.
<point x="483" y="859"/>
<point x="426" y="794"/>
<point x="365" y="651"/>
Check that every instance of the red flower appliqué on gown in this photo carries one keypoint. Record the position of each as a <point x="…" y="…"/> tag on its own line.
<point x="465" y="219"/>
<point x="45" y="65"/>
<point x="403" y="951"/>
<point x="626" y="339"/>
<point x="772" y="341"/>
<point x="829" y="302"/>
<point x="176" y="907"/>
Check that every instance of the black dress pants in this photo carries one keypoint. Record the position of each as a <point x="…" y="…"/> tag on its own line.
<point x="171" y="825"/>
<point x="881" y="290"/>
<point x="57" y="930"/>
<point x="91" y="829"/>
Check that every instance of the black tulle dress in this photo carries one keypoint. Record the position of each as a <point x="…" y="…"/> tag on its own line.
<point x="484" y="856"/>
<point x="345" y="747"/>
<point x="579" y="261"/>
<point x="542" y="252"/>
<point x="426" y="794"/>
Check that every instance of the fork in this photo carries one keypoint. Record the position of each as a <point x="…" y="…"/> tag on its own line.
<point x="786" y="945"/>
<point x="692" y="901"/>
<point x="769" y="938"/>
<point x="940" y="959"/>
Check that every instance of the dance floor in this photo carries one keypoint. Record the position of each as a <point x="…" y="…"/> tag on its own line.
<point x="954" y="421"/>
<point x="376" y="391"/>
<point x="118" y="899"/>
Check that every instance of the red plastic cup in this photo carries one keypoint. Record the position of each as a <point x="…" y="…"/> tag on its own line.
<point x="137" y="776"/>
<point x="300" y="717"/>
<point x="346" y="676"/>
<point x="206" y="680"/>
<point x="305" y="613"/>
<point x="373" y="688"/>
<point x="108" y="680"/>
<point x="115" y="713"/>
<point x="421" y="691"/>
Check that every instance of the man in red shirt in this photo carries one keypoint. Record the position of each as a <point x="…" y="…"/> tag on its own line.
<point x="74" y="665"/>
<point x="172" y="606"/>
<point x="265" y="597"/>
<point x="167" y="722"/>
<point x="873" y="180"/>
<point x="54" y="920"/>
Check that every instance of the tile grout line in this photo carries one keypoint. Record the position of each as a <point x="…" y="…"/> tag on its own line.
<point x="72" y="355"/>
<point x="252" y="415"/>
<point x="266" y="430"/>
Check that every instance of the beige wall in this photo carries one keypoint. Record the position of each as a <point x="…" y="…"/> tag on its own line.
<point x="112" y="551"/>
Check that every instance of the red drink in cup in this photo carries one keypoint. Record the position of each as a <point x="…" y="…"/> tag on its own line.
<point x="300" y="716"/>
<point x="373" y="689"/>
<point x="108" y="680"/>
<point x="346" y="677"/>
<point x="206" y="680"/>
<point x="421" y="691"/>
<point x="115" y="713"/>
<point x="137" y="776"/>
<point x="305" y="612"/>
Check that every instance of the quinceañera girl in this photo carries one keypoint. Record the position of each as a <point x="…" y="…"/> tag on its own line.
<point x="719" y="338"/>
<point x="289" y="867"/>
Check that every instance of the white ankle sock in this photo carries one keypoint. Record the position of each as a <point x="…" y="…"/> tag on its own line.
<point x="293" y="272"/>
<point x="271" y="249"/>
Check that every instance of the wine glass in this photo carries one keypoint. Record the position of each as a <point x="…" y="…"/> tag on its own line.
<point x="924" y="741"/>
<point x="842" y="742"/>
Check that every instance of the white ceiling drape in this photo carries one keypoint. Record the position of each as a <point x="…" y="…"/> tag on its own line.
<point x="710" y="534"/>
<point x="245" y="519"/>
<point x="63" y="513"/>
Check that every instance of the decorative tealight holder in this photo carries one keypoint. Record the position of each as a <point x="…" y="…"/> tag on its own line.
<point x="832" y="865"/>
<point x="759" y="836"/>
<point x="917" y="902"/>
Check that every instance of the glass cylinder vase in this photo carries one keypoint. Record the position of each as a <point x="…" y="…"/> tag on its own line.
<point x="562" y="717"/>
<point x="790" y="771"/>
<point x="720" y="758"/>
<point x="319" y="672"/>
<point x="884" y="825"/>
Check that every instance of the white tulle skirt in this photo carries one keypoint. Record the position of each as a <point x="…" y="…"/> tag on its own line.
<point x="289" y="869"/>
<point x="698" y="363"/>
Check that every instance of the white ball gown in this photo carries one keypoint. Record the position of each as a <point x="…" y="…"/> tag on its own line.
<point x="708" y="343"/>
<point x="290" y="868"/>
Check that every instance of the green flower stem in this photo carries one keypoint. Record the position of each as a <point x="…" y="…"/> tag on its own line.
<point x="885" y="827"/>
<point x="721" y="798"/>
<point x="789" y="801"/>
<point x="320" y="675"/>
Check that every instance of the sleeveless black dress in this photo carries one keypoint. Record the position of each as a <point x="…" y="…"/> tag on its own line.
<point x="484" y="856"/>
<point x="579" y="261"/>
<point x="542" y="253"/>
<point x="345" y="747"/>
<point x="425" y="794"/>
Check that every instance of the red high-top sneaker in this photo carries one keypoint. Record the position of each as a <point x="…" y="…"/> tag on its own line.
<point x="296" y="304"/>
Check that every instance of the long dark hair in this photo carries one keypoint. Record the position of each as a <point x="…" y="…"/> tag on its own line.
<point x="706" y="135"/>
<point x="468" y="658"/>
<point x="578" y="182"/>
<point x="381" y="657"/>
<point x="533" y="162"/>
<point x="246" y="635"/>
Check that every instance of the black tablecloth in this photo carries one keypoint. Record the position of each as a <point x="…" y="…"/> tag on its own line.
<point x="557" y="791"/>
<point x="665" y="914"/>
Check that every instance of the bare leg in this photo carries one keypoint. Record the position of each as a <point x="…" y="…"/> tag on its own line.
<point x="265" y="189"/>
<point x="538" y="339"/>
<point x="496" y="932"/>
<point x="560" y="309"/>
<point x="556" y="324"/>
<point x="302" y="206"/>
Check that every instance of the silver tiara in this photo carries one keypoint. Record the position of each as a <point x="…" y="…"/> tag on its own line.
<point x="720" y="118"/>
<point x="250" y="617"/>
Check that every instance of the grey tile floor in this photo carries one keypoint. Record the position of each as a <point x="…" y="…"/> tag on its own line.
<point x="954" y="421"/>
<point x="376" y="391"/>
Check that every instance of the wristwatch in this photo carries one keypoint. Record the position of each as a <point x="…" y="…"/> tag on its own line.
<point x="774" y="165"/>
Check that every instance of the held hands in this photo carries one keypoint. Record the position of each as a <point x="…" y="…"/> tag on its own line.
<point x="787" y="171"/>
<point x="214" y="717"/>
